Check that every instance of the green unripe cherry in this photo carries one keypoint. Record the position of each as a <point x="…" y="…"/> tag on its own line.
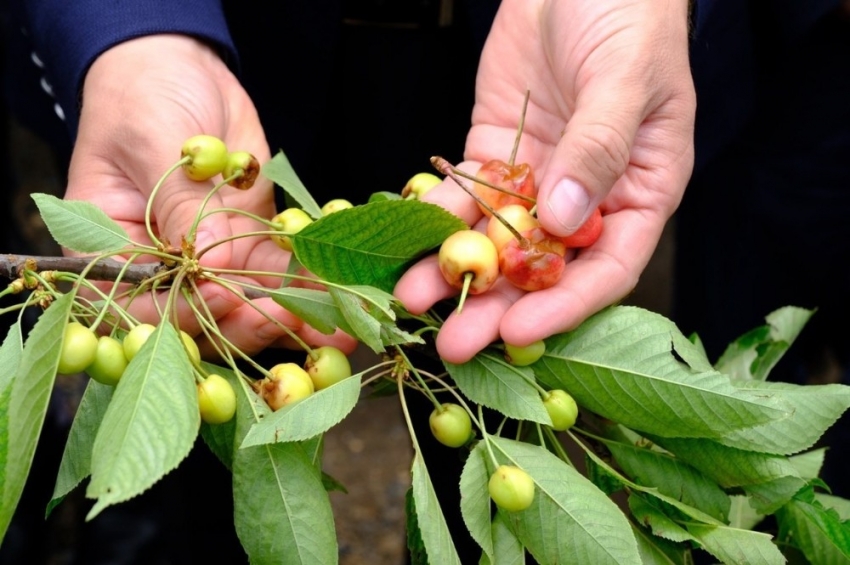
<point x="79" y="347"/>
<point x="450" y="424"/>
<point x="136" y="338"/>
<point x="336" y="205"/>
<point x="511" y="488"/>
<point x="208" y="157"/>
<point x="326" y="366"/>
<point x="216" y="400"/>
<point x="290" y="222"/>
<point x="109" y="361"/>
<point x="525" y="355"/>
<point x="562" y="409"/>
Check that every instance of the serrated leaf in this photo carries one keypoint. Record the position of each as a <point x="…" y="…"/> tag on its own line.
<point x="588" y="526"/>
<point x="282" y="512"/>
<point x="80" y="226"/>
<point x="150" y="425"/>
<point x="650" y="512"/>
<point x="728" y="466"/>
<point x="809" y="464"/>
<point x="76" y="459"/>
<point x="28" y="397"/>
<point x="415" y="545"/>
<point x="742" y="515"/>
<point x="431" y="521"/>
<point x="754" y="354"/>
<point x="671" y="477"/>
<point x="506" y="547"/>
<point x="10" y="359"/>
<point x="308" y="417"/>
<point x="769" y="496"/>
<point x="599" y="476"/>
<point x="737" y="547"/>
<point x="374" y="243"/>
<point x="818" y="532"/>
<point x="626" y="364"/>
<point x="814" y="408"/>
<point x="362" y="324"/>
<point x="475" y="499"/>
<point x="656" y="551"/>
<point x="279" y="170"/>
<point x="489" y="380"/>
<point x="315" y="307"/>
<point x="837" y="503"/>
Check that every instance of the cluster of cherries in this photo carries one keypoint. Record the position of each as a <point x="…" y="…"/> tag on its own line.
<point x="515" y="245"/>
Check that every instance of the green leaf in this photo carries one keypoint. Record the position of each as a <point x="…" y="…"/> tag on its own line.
<point x="809" y="464"/>
<point x="315" y="307"/>
<point x="599" y="476"/>
<point x="280" y="171"/>
<point x="374" y="243"/>
<point x="475" y="499"/>
<point x="767" y="497"/>
<point x="588" y="526"/>
<point x="651" y="513"/>
<point x="489" y="380"/>
<point x="754" y="354"/>
<point x="671" y="477"/>
<point x="363" y="325"/>
<point x="507" y="548"/>
<point x="742" y="515"/>
<point x="817" y="531"/>
<point x="28" y="398"/>
<point x="282" y="512"/>
<point x="840" y="505"/>
<point x="415" y="545"/>
<point x="626" y="364"/>
<point x="728" y="466"/>
<point x="657" y="551"/>
<point x="151" y="424"/>
<point x="80" y="226"/>
<point x="76" y="459"/>
<point x="308" y="417"/>
<point x="814" y="408"/>
<point x="430" y="519"/>
<point x="737" y="547"/>
<point x="10" y="359"/>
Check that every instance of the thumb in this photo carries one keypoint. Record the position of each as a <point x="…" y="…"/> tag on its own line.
<point x="589" y="158"/>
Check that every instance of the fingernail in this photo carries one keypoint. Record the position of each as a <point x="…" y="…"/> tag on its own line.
<point x="568" y="202"/>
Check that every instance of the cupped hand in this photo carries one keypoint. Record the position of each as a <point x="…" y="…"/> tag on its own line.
<point x="609" y="124"/>
<point x="141" y="100"/>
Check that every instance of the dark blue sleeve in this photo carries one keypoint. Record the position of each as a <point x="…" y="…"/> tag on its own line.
<point x="68" y="35"/>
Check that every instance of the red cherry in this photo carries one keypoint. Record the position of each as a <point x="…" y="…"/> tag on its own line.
<point x="587" y="234"/>
<point x="534" y="263"/>
<point x="518" y="179"/>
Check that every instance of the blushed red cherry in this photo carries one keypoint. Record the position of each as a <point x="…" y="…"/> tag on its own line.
<point x="517" y="216"/>
<point x="535" y="262"/>
<point x="587" y="234"/>
<point x="516" y="179"/>
<point x="469" y="254"/>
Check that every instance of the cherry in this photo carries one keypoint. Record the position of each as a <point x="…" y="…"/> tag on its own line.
<point x="587" y="233"/>
<point x="419" y="184"/>
<point x="525" y="355"/>
<point x="191" y="348"/>
<point x="450" y="424"/>
<point x="511" y="488"/>
<point x="109" y="361"/>
<point x="244" y="162"/>
<point x="286" y="383"/>
<point x="208" y="156"/>
<point x="326" y="366"/>
<point x="468" y="259"/>
<point x="290" y="222"/>
<point x="336" y="205"/>
<point x="216" y="400"/>
<point x="562" y="409"/>
<point x="79" y="348"/>
<point x="517" y="216"/>
<point x="136" y="338"/>
<point x="515" y="179"/>
<point x="534" y="263"/>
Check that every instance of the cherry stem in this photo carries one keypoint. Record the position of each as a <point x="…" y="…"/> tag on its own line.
<point x="159" y="183"/>
<point x="447" y="169"/>
<point x="488" y="184"/>
<point x="190" y="237"/>
<point x="519" y="128"/>
<point x="467" y="281"/>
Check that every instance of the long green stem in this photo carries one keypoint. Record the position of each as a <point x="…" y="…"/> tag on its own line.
<point x="154" y="192"/>
<point x="190" y="236"/>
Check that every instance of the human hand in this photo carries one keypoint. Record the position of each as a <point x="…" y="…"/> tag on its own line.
<point x="609" y="123"/>
<point x="141" y="100"/>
